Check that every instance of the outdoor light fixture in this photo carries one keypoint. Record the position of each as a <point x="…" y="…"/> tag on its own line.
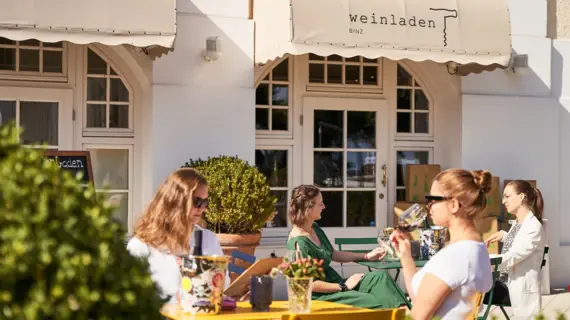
<point x="213" y="49"/>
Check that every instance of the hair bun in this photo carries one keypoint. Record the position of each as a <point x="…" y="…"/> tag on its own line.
<point x="483" y="180"/>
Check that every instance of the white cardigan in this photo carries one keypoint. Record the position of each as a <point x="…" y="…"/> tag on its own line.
<point x="523" y="262"/>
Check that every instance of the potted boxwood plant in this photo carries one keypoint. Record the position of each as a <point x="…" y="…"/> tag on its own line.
<point x="63" y="255"/>
<point x="240" y="202"/>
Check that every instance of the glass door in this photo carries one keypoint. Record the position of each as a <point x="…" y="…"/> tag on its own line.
<point x="45" y="115"/>
<point x="345" y="154"/>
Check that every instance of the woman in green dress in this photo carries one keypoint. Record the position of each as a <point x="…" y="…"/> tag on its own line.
<point x="373" y="290"/>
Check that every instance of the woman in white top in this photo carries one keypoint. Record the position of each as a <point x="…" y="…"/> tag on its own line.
<point x="163" y="235"/>
<point x="445" y="286"/>
<point x="523" y="248"/>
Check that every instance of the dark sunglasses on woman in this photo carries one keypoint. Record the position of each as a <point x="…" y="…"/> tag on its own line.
<point x="200" y="203"/>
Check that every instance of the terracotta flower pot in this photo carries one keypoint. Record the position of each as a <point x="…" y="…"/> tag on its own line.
<point x="245" y="243"/>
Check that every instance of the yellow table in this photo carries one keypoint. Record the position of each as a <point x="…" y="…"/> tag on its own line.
<point x="244" y="312"/>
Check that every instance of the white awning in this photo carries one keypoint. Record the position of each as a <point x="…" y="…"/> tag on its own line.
<point x="141" y="23"/>
<point x="462" y="31"/>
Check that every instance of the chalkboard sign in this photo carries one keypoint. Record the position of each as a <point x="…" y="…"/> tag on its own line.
<point x="74" y="161"/>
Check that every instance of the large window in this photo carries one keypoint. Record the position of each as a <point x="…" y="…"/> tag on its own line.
<point x="31" y="58"/>
<point x="108" y="100"/>
<point x="336" y="70"/>
<point x="413" y="107"/>
<point x="273" y="101"/>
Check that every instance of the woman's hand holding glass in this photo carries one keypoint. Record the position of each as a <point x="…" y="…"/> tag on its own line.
<point x="401" y="243"/>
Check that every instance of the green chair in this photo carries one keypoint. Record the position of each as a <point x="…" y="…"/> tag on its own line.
<point x="495" y="262"/>
<point x="354" y="241"/>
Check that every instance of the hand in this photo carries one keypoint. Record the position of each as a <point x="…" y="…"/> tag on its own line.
<point x="401" y="243"/>
<point x="494" y="237"/>
<point x="353" y="280"/>
<point x="376" y="254"/>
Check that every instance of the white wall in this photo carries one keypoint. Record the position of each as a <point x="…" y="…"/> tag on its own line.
<point x="518" y="126"/>
<point x="203" y="109"/>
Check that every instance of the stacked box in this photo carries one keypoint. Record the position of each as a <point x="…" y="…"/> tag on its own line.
<point x="418" y="181"/>
<point x="486" y="226"/>
<point x="493" y="208"/>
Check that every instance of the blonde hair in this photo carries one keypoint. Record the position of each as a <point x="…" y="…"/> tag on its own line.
<point x="166" y="222"/>
<point x="468" y="188"/>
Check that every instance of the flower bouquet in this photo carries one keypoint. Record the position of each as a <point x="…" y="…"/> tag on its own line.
<point x="300" y="274"/>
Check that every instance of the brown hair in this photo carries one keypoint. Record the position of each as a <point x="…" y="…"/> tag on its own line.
<point x="302" y="198"/>
<point x="468" y="188"/>
<point x="166" y="221"/>
<point x="532" y="196"/>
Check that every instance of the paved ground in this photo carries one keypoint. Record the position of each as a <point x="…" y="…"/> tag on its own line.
<point x="557" y="301"/>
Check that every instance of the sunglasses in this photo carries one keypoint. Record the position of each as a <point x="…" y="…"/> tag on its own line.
<point x="200" y="203"/>
<point x="431" y="200"/>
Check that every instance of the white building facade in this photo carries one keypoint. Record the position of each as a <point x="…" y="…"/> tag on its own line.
<point x="348" y="124"/>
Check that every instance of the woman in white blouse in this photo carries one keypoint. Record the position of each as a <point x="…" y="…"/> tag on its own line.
<point x="163" y="235"/>
<point x="523" y="248"/>
<point x="446" y="285"/>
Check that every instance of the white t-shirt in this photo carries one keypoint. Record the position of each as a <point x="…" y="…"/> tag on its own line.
<point x="164" y="270"/>
<point x="466" y="268"/>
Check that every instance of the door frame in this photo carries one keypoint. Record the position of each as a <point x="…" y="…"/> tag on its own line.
<point x="381" y="107"/>
<point x="64" y="97"/>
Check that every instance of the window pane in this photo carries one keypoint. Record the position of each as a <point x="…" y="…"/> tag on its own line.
<point x="361" y="169"/>
<point x="352" y="74"/>
<point x="7" y="111"/>
<point x="370" y="75"/>
<point x="30" y="43"/>
<point x="404" y="78"/>
<point x="121" y="202"/>
<point x="408" y="157"/>
<point x="95" y="64"/>
<point x="316" y="73"/>
<point x="280" y="95"/>
<point x="421" y="123"/>
<point x="119" y="116"/>
<point x="314" y="57"/>
<point x="110" y="166"/>
<point x="328" y="129"/>
<point x="360" y="207"/>
<point x="96" y="89"/>
<point x="361" y="127"/>
<point x="262" y="94"/>
<point x="334" y="57"/>
<point x="273" y="164"/>
<point x="332" y="214"/>
<point x="40" y="122"/>
<point x="280" y="220"/>
<point x="404" y="122"/>
<point x="29" y="60"/>
<point x="421" y="101"/>
<point x="404" y="99"/>
<point x="119" y="91"/>
<point x="8" y="59"/>
<point x="7" y="41"/>
<point x="328" y="169"/>
<point x="334" y="73"/>
<point x="96" y="116"/>
<point x="53" y="61"/>
<point x="279" y="119"/>
<point x="261" y="119"/>
<point x="53" y="45"/>
<point x="281" y="72"/>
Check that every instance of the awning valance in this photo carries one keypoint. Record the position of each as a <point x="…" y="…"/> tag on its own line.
<point x="141" y="23"/>
<point x="462" y="31"/>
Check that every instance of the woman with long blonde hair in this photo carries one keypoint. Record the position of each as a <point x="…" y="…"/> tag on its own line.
<point x="164" y="232"/>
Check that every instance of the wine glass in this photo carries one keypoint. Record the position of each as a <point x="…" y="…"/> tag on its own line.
<point x="412" y="218"/>
<point x="385" y="243"/>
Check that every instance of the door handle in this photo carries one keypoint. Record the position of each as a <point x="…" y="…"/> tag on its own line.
<point x="384" y="175"/>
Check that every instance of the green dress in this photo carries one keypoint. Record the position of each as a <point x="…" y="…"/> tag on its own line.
<point x="376" y="290"/>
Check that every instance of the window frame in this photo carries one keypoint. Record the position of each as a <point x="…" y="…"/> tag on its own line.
<point x="269" y="133"/>
<point x="105" y="132"/>
<point x="94" y="143"/>
<point x="411" y="136"/>
<point x="289" y="188"/>
<point x="35" y="76"/>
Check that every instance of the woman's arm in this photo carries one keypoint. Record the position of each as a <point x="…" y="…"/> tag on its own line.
<point x="524" y="245"/>
<point x="345" y="256"/>
<point x="325" y="287"/>
<point x="431" y="293"/>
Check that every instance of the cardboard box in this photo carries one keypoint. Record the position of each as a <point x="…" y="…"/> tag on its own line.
<point x="494" y="200"/>
<point x="506" y="215"/>
<point x="418" y="180"/>
<point x="486" y="226"/>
